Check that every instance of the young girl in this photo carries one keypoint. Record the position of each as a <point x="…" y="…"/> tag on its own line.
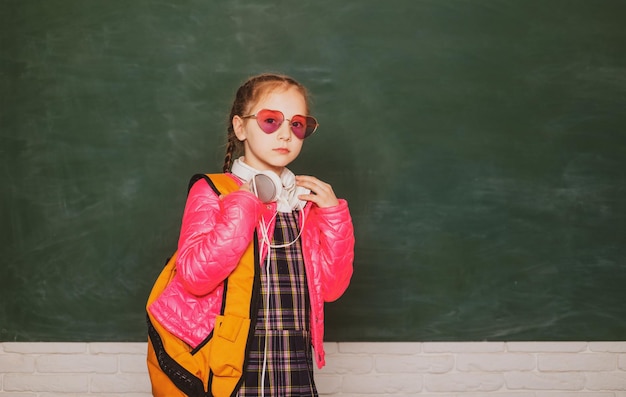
<point x="304" y="243"/>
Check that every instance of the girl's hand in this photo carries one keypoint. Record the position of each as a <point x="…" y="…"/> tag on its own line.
<point x="321" y="194"/>
<point x="246" y="186"/>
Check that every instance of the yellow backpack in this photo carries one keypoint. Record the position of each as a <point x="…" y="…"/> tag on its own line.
<point x="215" y="367"/>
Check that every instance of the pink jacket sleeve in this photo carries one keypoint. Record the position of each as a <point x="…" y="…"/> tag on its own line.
<point x="214" y="234"/>
<point x="335" y="249"/>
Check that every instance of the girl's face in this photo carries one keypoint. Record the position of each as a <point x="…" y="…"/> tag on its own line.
<point x="271" y="152"/>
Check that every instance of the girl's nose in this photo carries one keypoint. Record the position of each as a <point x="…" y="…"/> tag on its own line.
<point x="284" y="131"/>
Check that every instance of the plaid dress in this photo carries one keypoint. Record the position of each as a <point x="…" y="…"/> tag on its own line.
<point x="284" y="324"/>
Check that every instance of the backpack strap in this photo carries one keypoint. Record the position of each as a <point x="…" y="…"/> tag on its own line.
<point x="220" y="183"/>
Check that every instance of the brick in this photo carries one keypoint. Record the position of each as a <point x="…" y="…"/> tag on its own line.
<point x="607" y="381"/>
<point x="396" y="348"/>
<point x="414" y="364"/>
<point x="576" y="362"/>
<point x="7" y="394"/>
<point x="133" y="363"/>
<point x="574" y="394"/>
<point x="10" y="362"/>
<point x="621" y="364"/>
<point x="331" y="347"/>
<point x="546" y="347"/>
<point x="544" y="381"/>
<point x="76" y="363"/>
<point x="45" y="347"/>
<point x="494" y="394"/>
<point x="463" y="347"/>
<point x="92" y="395"/>
<point x="608" y="347"/>
<point x="362" y="394"/>
<point x="495" y="362"/>
<point x="462" y="382"/>
<point x="349" y="364"/>
<point x="328" y="384"/>
<point x="118" y="348"/>
<point x="46" y="383"/>
<point x="382" y="384"/>
<point x="120" y="383"/>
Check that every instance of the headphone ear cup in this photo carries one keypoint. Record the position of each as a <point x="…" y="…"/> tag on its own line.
<point x="267" y="186"/>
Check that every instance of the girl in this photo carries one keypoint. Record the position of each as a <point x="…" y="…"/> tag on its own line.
<point x="304" y="244"/>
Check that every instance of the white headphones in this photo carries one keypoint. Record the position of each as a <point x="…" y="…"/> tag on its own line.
<point x="269" y="188"/>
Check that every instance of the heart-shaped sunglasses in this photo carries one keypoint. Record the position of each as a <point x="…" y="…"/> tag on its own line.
<point x="270" y="120"/>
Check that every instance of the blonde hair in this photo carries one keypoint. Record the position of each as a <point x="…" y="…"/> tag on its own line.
<point x="247" y="95"/>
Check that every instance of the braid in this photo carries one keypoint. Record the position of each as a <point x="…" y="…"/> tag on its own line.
<point x="230" y="150"/>
<point x="247" y="95"/>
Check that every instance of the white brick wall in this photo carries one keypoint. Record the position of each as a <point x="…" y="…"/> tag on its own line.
<point x="430" y="369"/>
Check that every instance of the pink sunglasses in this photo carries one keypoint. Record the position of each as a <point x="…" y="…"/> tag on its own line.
<point x="271" y="120"/>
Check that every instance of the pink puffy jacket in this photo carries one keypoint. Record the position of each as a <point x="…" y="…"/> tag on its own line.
<point x="214" y="234"/>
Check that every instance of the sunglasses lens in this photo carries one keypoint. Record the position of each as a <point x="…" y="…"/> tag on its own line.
<point x="269" y="120"/>
<point x="303" y="126"/>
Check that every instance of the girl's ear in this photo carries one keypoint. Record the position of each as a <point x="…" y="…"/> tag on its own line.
<point x="240" y="132"/>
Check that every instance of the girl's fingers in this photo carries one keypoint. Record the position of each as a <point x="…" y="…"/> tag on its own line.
<point x="322" y="193"/>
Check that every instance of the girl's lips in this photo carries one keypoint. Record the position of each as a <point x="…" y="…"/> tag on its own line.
<point x="282" y="150"/>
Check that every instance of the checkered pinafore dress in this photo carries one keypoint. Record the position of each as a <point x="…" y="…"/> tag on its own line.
<point x="284" y="324"/>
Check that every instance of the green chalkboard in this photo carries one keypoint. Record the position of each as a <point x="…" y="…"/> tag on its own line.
<point x="481" y="146"/>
